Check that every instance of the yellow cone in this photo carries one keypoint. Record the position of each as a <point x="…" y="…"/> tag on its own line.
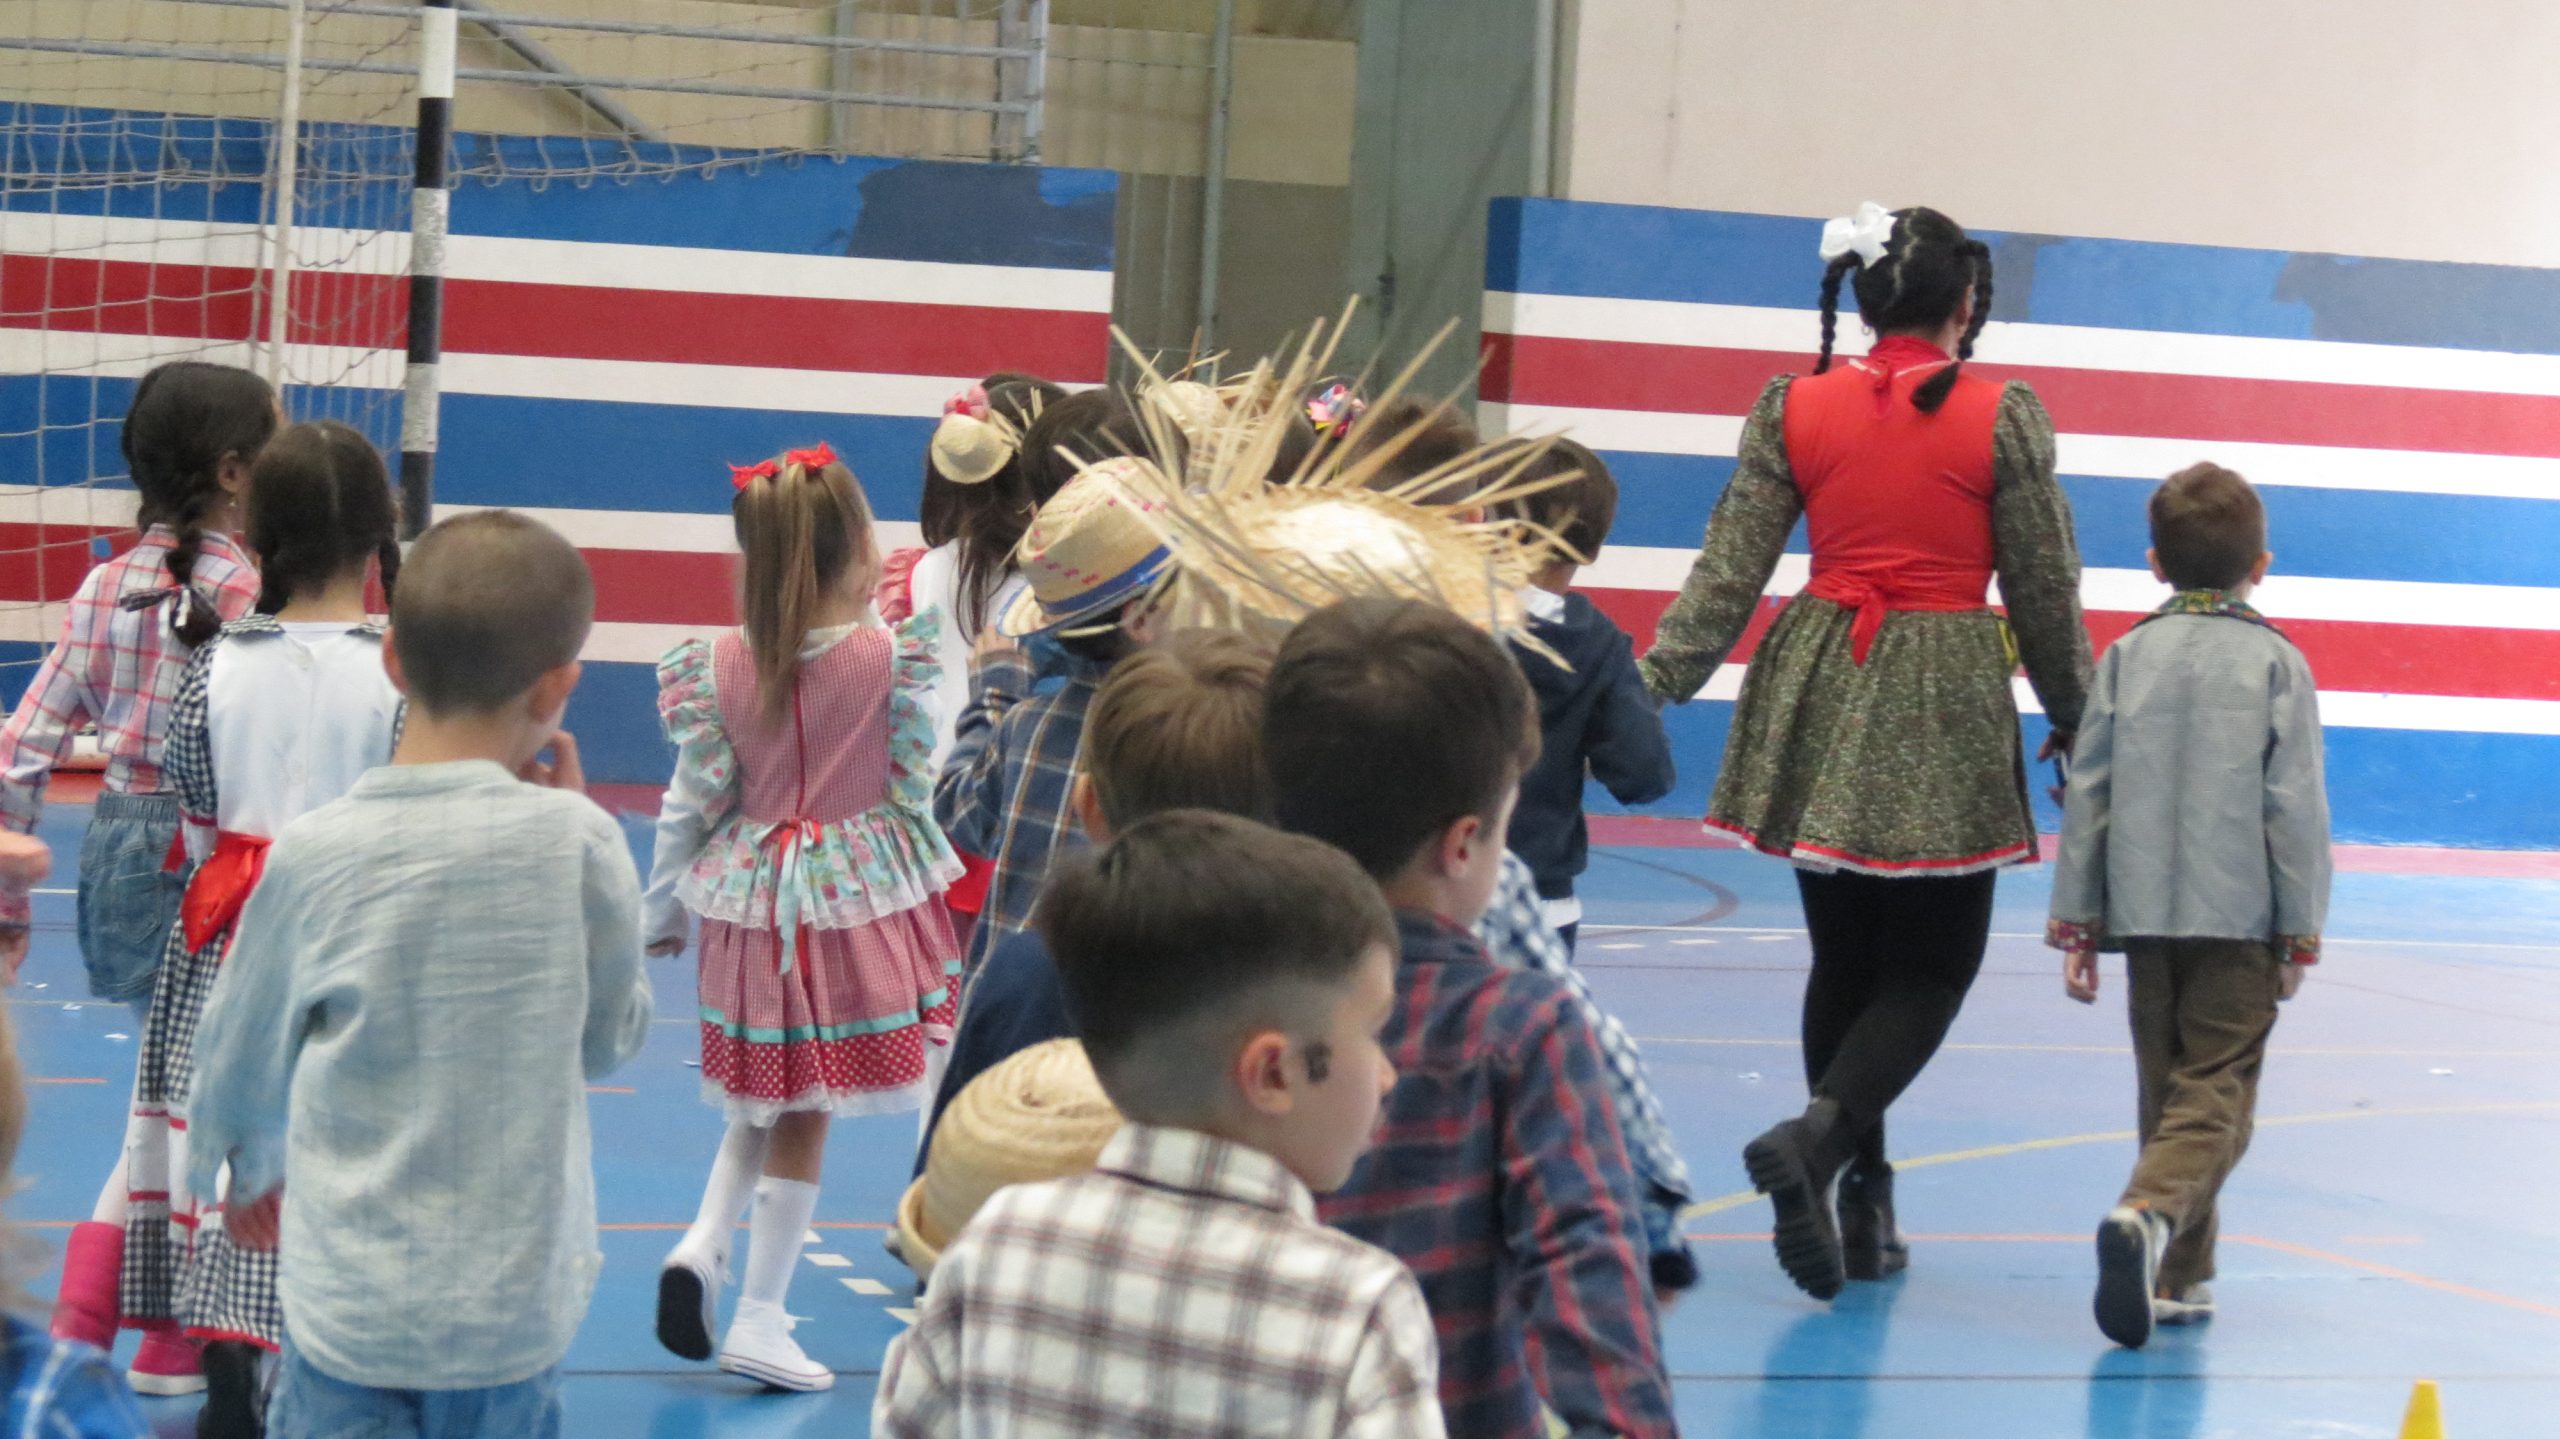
<point x="2426" y="1414"/>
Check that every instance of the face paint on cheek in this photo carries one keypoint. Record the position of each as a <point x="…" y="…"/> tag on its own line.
<point x="1319" y="1062"/>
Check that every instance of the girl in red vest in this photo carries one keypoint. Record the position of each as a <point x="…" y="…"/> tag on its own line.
<point x="1876" y="742"/>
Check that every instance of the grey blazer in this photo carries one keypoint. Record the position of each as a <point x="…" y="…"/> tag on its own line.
<point x="2197" y="807"/>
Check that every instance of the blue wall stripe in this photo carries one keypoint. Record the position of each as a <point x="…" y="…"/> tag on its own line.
<point x="1718" y="257"/>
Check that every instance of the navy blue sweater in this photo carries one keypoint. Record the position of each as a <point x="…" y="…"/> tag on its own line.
<point x="1596" y="720"/>
<point x="1015" y="1001"/>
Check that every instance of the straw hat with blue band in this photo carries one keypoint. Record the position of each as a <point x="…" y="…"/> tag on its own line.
<point x="1093" y="548"/>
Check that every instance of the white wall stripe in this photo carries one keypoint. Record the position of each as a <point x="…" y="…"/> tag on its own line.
<point x="2079" y="347"/>
<point x="2326" y="467"/>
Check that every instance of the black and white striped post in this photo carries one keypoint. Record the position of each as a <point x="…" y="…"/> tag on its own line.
<point x="430" y="204"/>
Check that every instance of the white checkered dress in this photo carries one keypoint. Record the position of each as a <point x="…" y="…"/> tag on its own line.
<point x="1183" y="1288"/>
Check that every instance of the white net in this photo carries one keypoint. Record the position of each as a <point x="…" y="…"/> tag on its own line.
<point x="144" y="216"/>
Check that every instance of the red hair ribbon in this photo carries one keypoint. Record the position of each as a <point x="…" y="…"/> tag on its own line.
<point x="971" y="402"/>
<point x="816" y="457"/>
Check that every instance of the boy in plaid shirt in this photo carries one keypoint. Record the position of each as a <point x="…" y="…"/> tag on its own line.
<point x="1397" y="732"/>
<point x="1230" y="982"/>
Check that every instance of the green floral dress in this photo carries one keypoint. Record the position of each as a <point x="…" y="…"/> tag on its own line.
<point x="1912" y="763"/>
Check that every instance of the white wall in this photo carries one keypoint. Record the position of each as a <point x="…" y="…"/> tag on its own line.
<point x="2423" y="129"/>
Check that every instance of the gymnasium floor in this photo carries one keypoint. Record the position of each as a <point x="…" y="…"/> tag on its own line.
<point x="2394" y="1221"/>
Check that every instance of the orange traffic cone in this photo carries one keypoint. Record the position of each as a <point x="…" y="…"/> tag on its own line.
<point x="2426" y="1413"/>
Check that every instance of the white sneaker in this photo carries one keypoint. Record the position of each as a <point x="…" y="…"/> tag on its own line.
<point x="759" y="1346"/>
<point x="689" y="1286"/>
<point x="2192" y="1305"/>
<point x="2129" y="1245"/>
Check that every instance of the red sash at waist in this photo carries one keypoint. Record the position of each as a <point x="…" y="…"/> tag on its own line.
<point x="1874" y="594"/>
<point x="221" y="887"/>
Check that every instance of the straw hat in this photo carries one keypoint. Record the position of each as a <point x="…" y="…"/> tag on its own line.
<point x="1092" y="548"/>
<point x="1038" y="1115"/>
<point x="1252" y="555"/>
<point x="974" y="439"/>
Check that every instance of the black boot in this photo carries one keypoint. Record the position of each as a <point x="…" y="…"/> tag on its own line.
<point x="1794" y="1164"/>
<point x="1871" y="1244"/>
<point x="233" y="1406"/>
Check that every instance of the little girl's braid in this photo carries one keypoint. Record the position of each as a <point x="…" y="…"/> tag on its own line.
<point x="1832" y="275"/>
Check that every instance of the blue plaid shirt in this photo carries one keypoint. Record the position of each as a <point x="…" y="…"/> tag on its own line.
<point x="1507" y="1190"/>
<point x="1515" y="931"/>
<point x="58" y="1389"/>
<point x="1004" y="790"/>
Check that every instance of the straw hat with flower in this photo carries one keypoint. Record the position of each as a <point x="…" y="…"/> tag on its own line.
<point x="1250" y="554"/>
<point x="1039" y="1115"/>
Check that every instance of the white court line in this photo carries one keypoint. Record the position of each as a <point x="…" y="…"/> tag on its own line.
<point x="867" y="1288"/>
<point x="829" y="1261"/>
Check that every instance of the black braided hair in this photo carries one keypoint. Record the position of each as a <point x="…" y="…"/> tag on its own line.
<point x="187" y="419"/>
<point x="1928" y="265"/>
<point x="1837" y="271"/>
<point x="320" y="505"/>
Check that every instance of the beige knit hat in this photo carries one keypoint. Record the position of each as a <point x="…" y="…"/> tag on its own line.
<point x="1038" y="1115"/>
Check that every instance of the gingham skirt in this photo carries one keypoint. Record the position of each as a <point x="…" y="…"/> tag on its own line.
<point x="848" y="1030"/>
<point x="180" y="1271"/>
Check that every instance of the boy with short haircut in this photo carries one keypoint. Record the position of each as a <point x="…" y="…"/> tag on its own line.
<point x="1179" y="727"/>
<point x="1398" y="733"/>
<point x="1005" y="791"/>
<point x="2195" y="838"/>
<point x="393" y="1034"/>
<point x="1595" y="717"/>
<point x="1230" y="983"/>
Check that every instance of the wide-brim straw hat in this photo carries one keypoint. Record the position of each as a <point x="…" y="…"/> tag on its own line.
<point x="1038" y="1115"/>
<point x="1094" y="547"/>
<point x="1253" y="555"/>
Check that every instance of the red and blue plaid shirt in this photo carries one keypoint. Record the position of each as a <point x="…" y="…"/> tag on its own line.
<point x="1005" y="793"/>
<point x="1500" y="1176"/>
<point x="115" y="668"/>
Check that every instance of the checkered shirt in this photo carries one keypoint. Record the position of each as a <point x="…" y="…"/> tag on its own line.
<point x="1501" y="1179"/>
<point x="1181" y="1288"/>
<point x="1515" y="931"/>
<point x="116" y="668"/>
<point x="1004" y="792"/>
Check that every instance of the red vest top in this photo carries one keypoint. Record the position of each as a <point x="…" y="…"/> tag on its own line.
<point x="1897" y="503"/>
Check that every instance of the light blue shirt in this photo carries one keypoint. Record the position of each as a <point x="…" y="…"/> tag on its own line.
<point x="431" y="970"/>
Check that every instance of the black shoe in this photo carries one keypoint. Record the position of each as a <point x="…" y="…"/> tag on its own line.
<point x="2129" y="1245"/>
<point x="1789" y="1164"/>
<point x="233" y="1408"/>
<point x="1871" y="1244"/>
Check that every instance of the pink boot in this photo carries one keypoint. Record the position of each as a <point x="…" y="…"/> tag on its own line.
<point x="168" y="1364"/>
<point x="92" y="1264"/>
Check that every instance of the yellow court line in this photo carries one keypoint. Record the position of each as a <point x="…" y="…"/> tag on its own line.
<point x="2405" y="1276"/>
<point x="1723" y="1203"/>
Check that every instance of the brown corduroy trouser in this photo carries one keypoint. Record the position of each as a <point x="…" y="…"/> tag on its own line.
<point x="2202" y="1010"/>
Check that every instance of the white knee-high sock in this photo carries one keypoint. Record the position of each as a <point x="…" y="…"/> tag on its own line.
<point x="774" y="1236"/>
<point x="725" y="1193"/>
<point x="110" y="1208"/>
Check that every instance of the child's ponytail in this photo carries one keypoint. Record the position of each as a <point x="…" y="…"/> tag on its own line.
<point x="188" y="419"/>
<point x="802" y="523"/>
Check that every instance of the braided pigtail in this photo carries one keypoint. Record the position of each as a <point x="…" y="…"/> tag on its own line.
<point x="1933" y="391"/>
<point x="1832" y="276"/>
<point x="192" y="616"/>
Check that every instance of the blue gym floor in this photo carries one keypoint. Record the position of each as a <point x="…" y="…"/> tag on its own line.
<point x="2394" y="1222"/>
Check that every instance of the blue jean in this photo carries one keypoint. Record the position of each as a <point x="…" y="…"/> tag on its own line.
<point x="128" y="898"/>
<point x="311" y="1405"/>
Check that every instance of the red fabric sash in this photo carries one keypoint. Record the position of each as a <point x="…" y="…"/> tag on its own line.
<point x="1877" y="593"/>
<point x="221" y="887"/>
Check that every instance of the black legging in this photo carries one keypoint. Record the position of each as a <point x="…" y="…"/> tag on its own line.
<point x="1892" y="960"/>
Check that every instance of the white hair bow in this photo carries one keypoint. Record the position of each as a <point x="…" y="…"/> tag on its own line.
<point x="1865" y="234"/>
